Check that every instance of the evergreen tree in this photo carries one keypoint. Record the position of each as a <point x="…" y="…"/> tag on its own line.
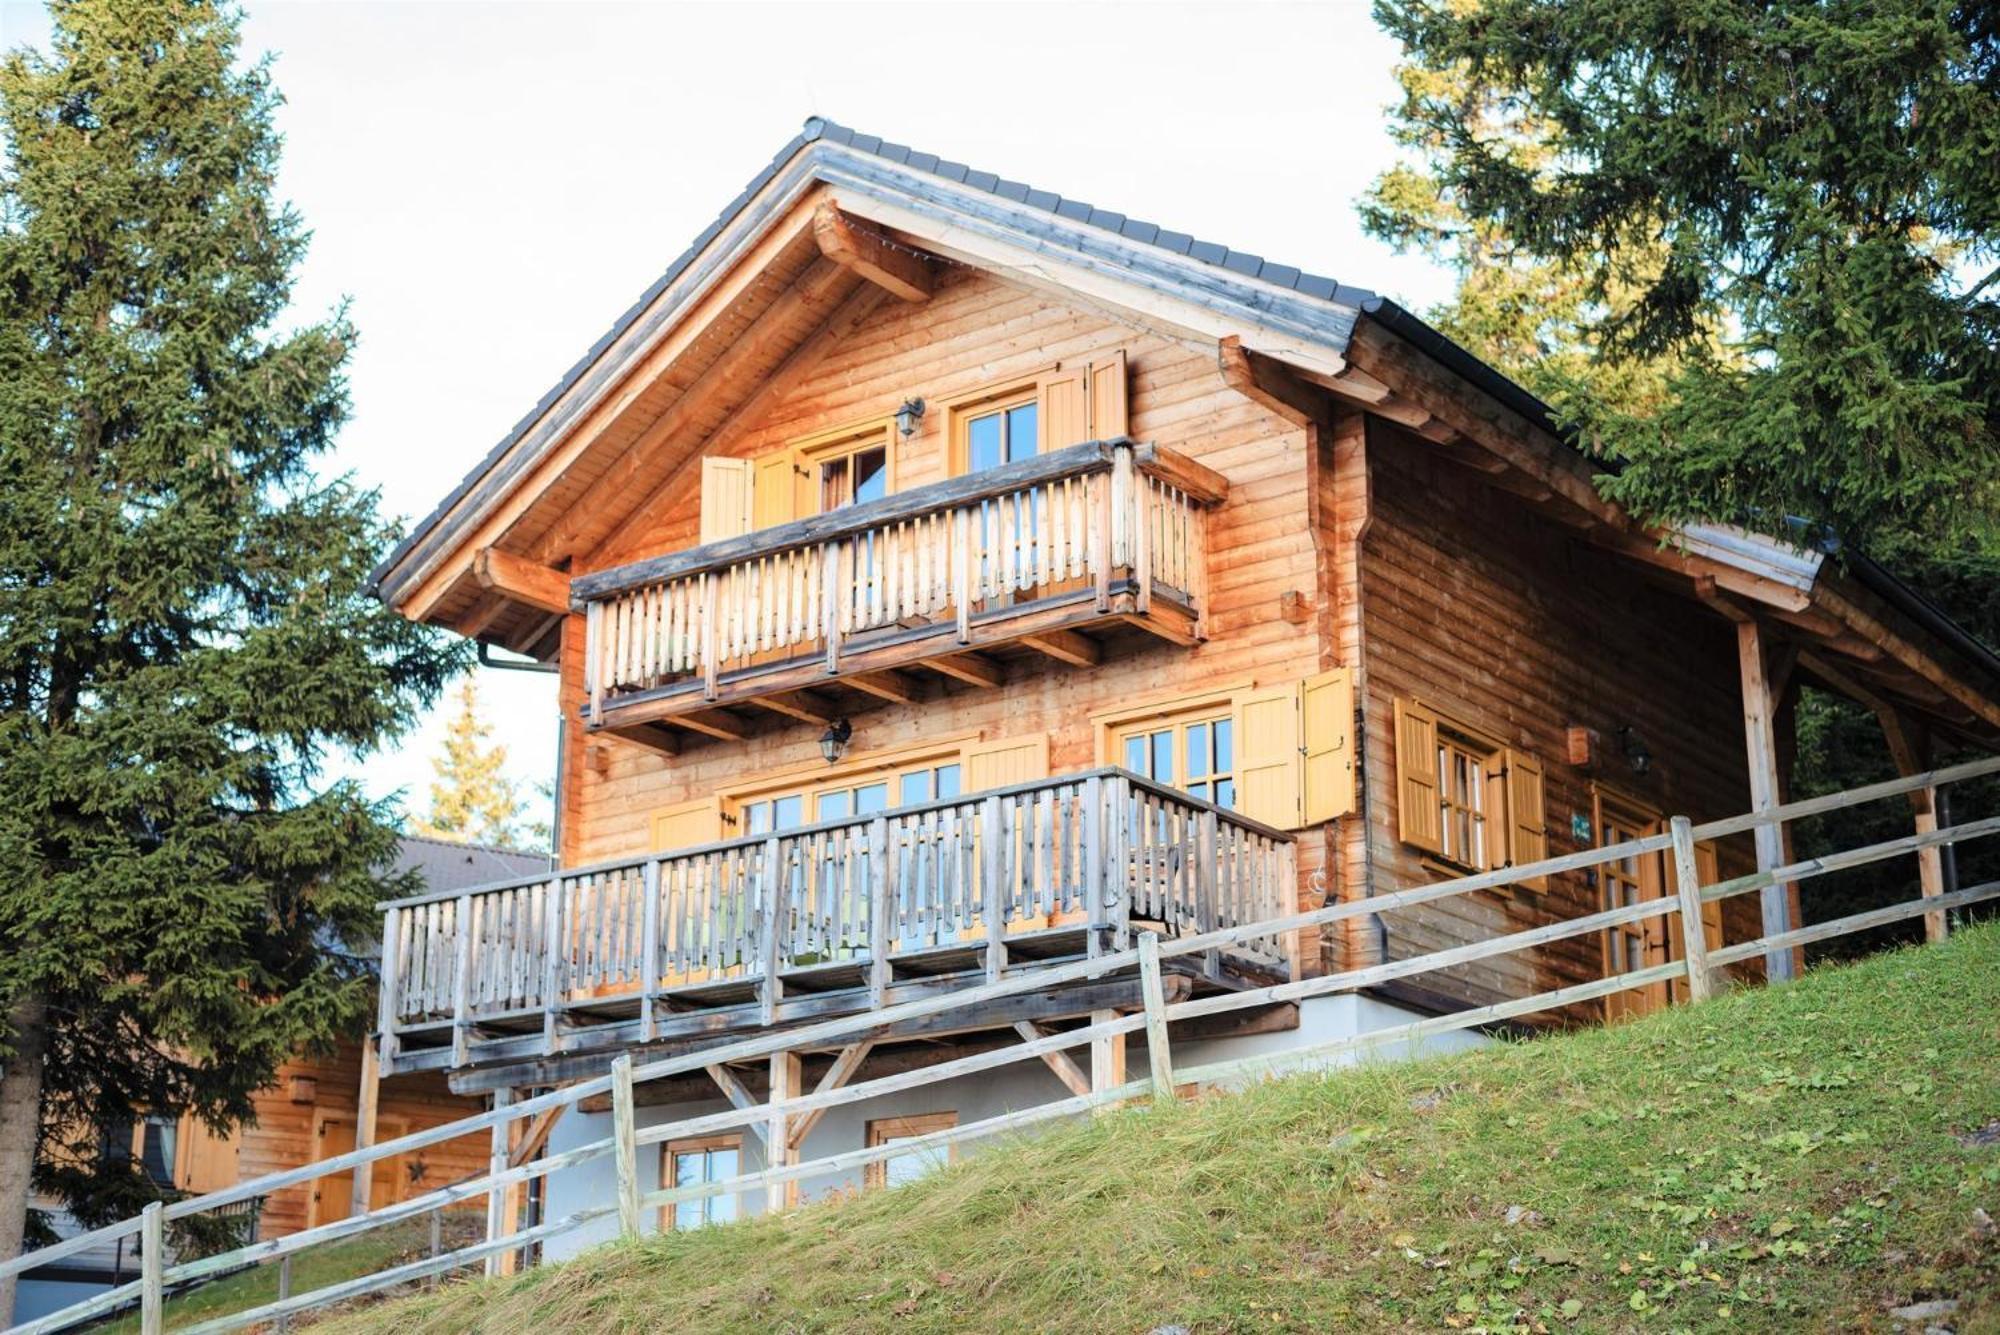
<point x="184" y="632"/>
<point x="1819" y="181"/>
<point x="473" y="798"/>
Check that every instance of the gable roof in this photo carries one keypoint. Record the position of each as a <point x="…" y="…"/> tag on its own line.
<point x="1296" y="316"/>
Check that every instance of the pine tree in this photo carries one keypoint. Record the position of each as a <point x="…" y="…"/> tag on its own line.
<point x="473" y="797"/>
<point x="1819" y="181"/>
<point x="184" y="629"/>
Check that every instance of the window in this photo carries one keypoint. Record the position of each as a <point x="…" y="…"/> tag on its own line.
<point x="908" y="1166"/>
<point x="1057" y="407"/>
<point x="151" y="1142"/>
<point x="777" y="812"/>
<point x="847" y="468"/>
<point x="1280" y="753"/>
<point x="1196" y="754"/>
<point x="690" y="1163"/>
<point x="1473" y="802"/>
<point x="1001" y="435"/>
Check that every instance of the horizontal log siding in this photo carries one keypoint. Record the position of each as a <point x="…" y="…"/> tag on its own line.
<point x="974" y="332"/>
<point x="1507" y="621"/>
<point x="283" y="1135"/>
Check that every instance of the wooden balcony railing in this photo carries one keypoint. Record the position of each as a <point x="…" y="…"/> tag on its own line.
<point x="1097" y="531"/>
<point x="1069" y="864"/>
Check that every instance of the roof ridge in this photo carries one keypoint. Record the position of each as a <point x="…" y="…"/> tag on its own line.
<point x="470" y="844"/>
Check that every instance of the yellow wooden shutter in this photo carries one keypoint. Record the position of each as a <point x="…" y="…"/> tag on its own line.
<point x="1065" y="408"/>
<point x="725" y="498"/>
<point x="687" y="825"/>
<point x="1708" y="870"/>
<point x="1527" y="826"/>
<point x="1267" y="755"/>
<point x="1419" y="820"/>
<point x="1326" y="712"/>
<point x="1006" y="761"/>
<point x="774" y="498"/>
<point x="1108" y="413"/>
<point x="205" y="1161"/>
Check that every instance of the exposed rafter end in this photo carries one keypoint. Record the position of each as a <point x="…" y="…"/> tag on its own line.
<point x="522" y="580"/>
<point x="898" y="272"/>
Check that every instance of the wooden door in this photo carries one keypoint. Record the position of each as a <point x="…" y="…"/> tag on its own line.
<point x="1625" y="881"/>
<point x="333" y="1195"/>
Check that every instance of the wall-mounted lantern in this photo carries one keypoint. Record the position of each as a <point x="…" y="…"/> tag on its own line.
<point x="833" y="742"/>
<point x="908" y="416"/>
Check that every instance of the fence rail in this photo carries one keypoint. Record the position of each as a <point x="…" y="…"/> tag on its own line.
<point x="1092" y="851"/>
<point x="943" y="554"/>
<point x="1697" y="967"/>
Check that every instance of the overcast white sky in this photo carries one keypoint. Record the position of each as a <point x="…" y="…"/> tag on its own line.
<point x="491" y="184"/>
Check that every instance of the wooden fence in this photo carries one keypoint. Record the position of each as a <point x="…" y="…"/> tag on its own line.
<point x="1697" y="968"/>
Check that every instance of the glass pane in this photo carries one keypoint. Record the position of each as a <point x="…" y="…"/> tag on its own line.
<point x="871" y="475"/>
<point x="909" y="1167"/>
<point x="1198" y="790"/>
<point x="870" y="798"/>
<point x="1225" y="794"/>
<point x="915" y="788"/>
<point x="836" y="805"/>
<point x="1135" y="753"/>
<point x="757" y="818"/>
<point x="689" y="1169"/>
<point x="985" y="448"/>
<point x="722" y="1164"/>
<point x="1163" y="758"/>
<point x="1021" y="431"/>
<point x="788" y="812"/>
<point x="1225" y="746"/>
<point x="947" y="781"/>
<point x="1197" y="749"/>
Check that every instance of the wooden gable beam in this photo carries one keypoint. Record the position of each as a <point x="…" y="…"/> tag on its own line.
<point x="887" y="684"/>
<point x="1263" y="382"/>
<point x="897" y="272"/>
<point x="522" y="580"/>
<point x="972" y="668"/>
<point x="1912" y="657"/>
<point x="844" y="1068"/>
<point x="821" y="287"/>
<point x="1066" y="646"/>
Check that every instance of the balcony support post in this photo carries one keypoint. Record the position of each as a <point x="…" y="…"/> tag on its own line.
<point x="829" y="613"/>
<point x="993" y="862"/>
<point x="1100" y="540"/>
<point x="711" y="589"/>
<point x="1096" y="899"/>
<point x="1204" y="870"/>
<point x="963" y="564"/>
<point x="555" y="899"/>
<point x="389" y="1001"/>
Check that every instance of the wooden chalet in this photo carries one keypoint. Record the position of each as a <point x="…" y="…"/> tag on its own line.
<point x="949" y="578"/>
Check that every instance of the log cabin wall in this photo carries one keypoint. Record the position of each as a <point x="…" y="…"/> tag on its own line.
<point x="978" y="331"/>
<point x="1504" y="619"/>
<point x="286" y="1134"/>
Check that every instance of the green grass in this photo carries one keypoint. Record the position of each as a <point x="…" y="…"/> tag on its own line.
<point x="1800" y="1157"/>
<point x="313" y="1268"/>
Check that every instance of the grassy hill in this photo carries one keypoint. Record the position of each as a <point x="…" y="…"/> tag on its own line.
<point x="1810" y="1157"/>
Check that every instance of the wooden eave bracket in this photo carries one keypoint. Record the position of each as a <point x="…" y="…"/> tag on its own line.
<point x="902" y="274"/>
<point x="521" y="580"/>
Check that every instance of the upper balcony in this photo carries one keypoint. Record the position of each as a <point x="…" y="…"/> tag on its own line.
<point x="1060" y="555"/>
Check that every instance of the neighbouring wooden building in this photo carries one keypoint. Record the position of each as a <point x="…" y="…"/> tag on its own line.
<point x="985" y="575"/>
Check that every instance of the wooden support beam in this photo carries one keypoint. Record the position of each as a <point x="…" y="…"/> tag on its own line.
<point x="1061" y="1064"/>
<point x="536" y="1135"/>
<point x="786" y="1084"/>
<point x="498" y="1223"/>
<point x="480" y="617"/>
<point x="844" y="1068"/>
<point x="739" y="1098"/>
<point x="522" y="580"/>
<point x="1268" y="384"/>
<point x="805" y="706"/>
<point x="370" y="1100"/>
<point x="1761" y="747"/>
<point x="889" y="685"/>
<point x="1107" y="1056"/>
<point x="1067" y="646"/>
<point x="897" y="272"/>
<point x="1871" y="628"/>
<point x="716" y="723"/>
<point x="974" y="669"/>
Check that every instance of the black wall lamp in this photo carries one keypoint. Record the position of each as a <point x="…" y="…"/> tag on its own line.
<point x="1636" y="754"/>
<point x="907" y="417"/>
<point x="833" y="742"/>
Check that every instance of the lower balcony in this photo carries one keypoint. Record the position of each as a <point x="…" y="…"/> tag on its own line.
<point x="831" y="919"/>
<point x="1062" y="557"/>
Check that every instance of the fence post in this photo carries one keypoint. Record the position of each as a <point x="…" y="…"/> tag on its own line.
<point x="1155" y="997"/>
<point x="152" y="1269"/>
<point x="437" y="1243"/>
<point x="461" y="983"/>
<point x="772" y="894"/>
<point x="625" y="1148"/>
<point x="881" y="910"/>
<point x="1930" y="861"/>
<point x="1687" y="883"/>
<point x="498" y="1225"/>
<point x="649" y="947"/>
<point x="284" y="1291"/>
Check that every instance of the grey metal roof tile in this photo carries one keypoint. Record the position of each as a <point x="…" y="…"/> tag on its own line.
<point x="1207" y="252"/>
<point x="1105" y="218"/>
<point x="923" y="162"/>
<point x="1042" y="199"/>
<point x="1012" y="190"/>
<point x="951" y="171"/>
<point x="1238" y="262"/>
<point x="1284" y="275"/>
<point x="986" y="181"/>
<point x="1142" y="232"/>
<point x="1074" y="209"/>
<point x="1177" y="242"/>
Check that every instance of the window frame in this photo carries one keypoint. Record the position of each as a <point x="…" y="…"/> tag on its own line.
<point x="811" y="454"/>
<point x="809" y="783"/>
<point x="670" y="1152"/>
<point x="1178" y="722"/>
<point x="1496" y="815"/>
<point x="963" y="411"/>
<point x="887" y="1130"/>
